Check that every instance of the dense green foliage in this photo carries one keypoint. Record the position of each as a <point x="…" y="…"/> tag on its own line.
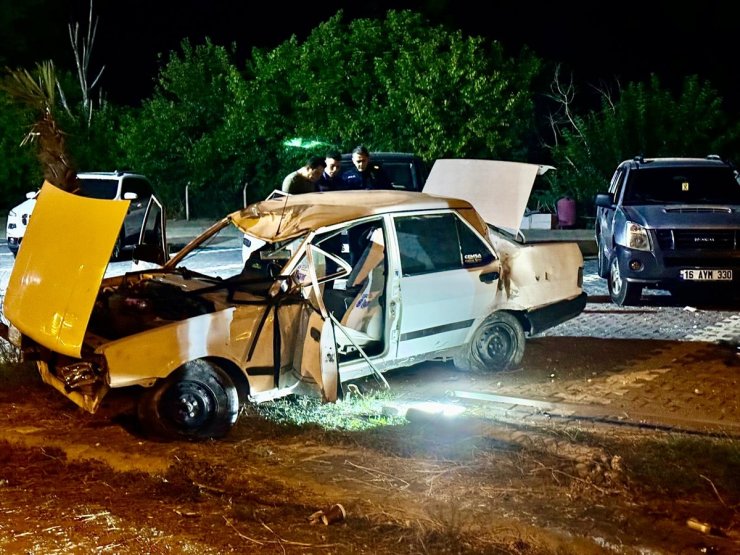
<point x="392" y="84"/>
<point x="19" y="170"/>
<point x="215" y="124"/>
<point x="171" y="137"/>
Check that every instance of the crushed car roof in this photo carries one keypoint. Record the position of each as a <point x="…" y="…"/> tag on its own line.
<point x="292" y="215"/>
<point x="498" y="190"/>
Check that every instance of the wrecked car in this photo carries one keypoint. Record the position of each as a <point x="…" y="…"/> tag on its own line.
<point x="342" y="285"/>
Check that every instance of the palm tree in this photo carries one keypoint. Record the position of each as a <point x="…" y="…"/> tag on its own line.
<point x="39" y="95"/>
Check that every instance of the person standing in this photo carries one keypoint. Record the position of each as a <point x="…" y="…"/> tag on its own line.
<point x="331" y="179"/>
<point x="304" y="179"/>
<point x="365" y="174"/>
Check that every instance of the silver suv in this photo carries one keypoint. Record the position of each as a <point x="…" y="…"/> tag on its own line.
<point x="669" y="223"/>
<point x="116" y="185"/>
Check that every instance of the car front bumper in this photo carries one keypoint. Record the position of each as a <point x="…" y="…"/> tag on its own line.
<point x="14" y="243"/>
<point x="659" y="269"/>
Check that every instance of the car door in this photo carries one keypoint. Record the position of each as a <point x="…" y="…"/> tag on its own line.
<point x="315" y="354"/>
<point x="138" y="191"/>
<point x="605" y="222"/>
<point x="152" y="245"/>
<point x="448" y="281"/>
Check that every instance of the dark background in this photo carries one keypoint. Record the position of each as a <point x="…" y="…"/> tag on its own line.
<point x="599" y="41"/>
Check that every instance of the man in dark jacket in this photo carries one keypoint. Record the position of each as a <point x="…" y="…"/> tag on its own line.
<point x="365" y="175"/>
<point x="331" y="179"/>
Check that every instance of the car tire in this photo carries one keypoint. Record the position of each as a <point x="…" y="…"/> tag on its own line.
<point x="623" y="293"/>
<point x="497" y="344"/>
<point x="197" y="401"/>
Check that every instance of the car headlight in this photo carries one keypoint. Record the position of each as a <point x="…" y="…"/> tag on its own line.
<point x="636" y="237"/>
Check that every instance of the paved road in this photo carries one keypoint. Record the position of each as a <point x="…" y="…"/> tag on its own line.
<point x="660" y="316"/>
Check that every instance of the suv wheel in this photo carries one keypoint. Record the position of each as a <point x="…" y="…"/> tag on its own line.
<point x="623" y="293"/>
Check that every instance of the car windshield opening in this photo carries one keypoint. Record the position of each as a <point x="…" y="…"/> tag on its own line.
<point x="683" y="185"/>
<point x="98" y="188"/>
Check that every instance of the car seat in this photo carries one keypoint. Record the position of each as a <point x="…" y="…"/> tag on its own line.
<point x="363" y="319"/>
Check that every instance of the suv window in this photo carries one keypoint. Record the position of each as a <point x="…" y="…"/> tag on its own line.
<point x="98" y="188"/>
<point x="683" y="185"/>
<point x="136" y="185"/>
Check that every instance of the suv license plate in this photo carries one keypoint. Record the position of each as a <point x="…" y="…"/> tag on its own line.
<point x="706" y="275"/>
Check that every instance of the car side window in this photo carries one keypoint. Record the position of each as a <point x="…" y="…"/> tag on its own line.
<point x="438" y="243"/>
<point x="616" y="185"/>
<point x="136" y="185"/>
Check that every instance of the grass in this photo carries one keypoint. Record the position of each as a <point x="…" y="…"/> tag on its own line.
<point x="356" y="414"/>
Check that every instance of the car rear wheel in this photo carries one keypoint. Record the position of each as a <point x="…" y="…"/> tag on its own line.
<point x="496" y="345"/>
<point x="197" y="401"/>
<point x="622" y="292"/>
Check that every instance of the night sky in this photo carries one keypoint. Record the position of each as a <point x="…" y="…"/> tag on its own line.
<point x="598" y="40"/>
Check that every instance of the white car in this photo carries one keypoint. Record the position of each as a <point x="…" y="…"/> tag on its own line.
<point x="345" y="284"/>
<point x="99" y="185"/>
<point x="18" y="218"/>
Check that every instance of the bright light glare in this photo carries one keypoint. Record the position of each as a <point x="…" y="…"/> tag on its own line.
<point x="430" y="407"/>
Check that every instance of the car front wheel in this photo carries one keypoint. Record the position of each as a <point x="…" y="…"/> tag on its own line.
<point x="622" y="292"/>
<point x="496" y="345"/>
<point x="197" y="401"/>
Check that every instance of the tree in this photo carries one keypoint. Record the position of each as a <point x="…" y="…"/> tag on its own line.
<point x="171" y="138"/>
<point x="19" y="169"/>
<point x="43" y="94"/>
<point x="393" y="84"/>
<point x="39" y="94"/>
<point x="398" y="84"/>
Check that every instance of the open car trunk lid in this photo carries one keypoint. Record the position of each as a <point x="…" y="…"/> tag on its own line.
<point x="498" y="190"/>
<point x="59" y="268"/>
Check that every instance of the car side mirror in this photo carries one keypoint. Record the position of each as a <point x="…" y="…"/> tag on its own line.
<point x="31" y="194"/>
<point x="604" y="200"/>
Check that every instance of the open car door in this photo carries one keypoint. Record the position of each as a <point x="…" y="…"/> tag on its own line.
<point x="152" y="247"/>
<point x="315" y="356"/>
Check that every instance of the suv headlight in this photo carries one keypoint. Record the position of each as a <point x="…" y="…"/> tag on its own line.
<point x="636" y="237"/>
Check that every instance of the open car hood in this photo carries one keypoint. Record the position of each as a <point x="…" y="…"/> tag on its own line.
<point x="60" y="265"/>
<point x="498" y="190"/>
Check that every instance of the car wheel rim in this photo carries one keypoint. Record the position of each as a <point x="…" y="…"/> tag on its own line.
<point x="495" y="345"/>
<point x="189" y="405"/>
<point x="615" y="277"/>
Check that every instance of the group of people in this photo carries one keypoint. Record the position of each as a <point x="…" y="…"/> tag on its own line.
<point x="325" y="174"/>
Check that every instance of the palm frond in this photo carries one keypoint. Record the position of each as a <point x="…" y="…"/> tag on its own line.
<point x="39" y="94"/>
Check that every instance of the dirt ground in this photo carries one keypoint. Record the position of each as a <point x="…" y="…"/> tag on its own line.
<point x="71" y="482"/>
